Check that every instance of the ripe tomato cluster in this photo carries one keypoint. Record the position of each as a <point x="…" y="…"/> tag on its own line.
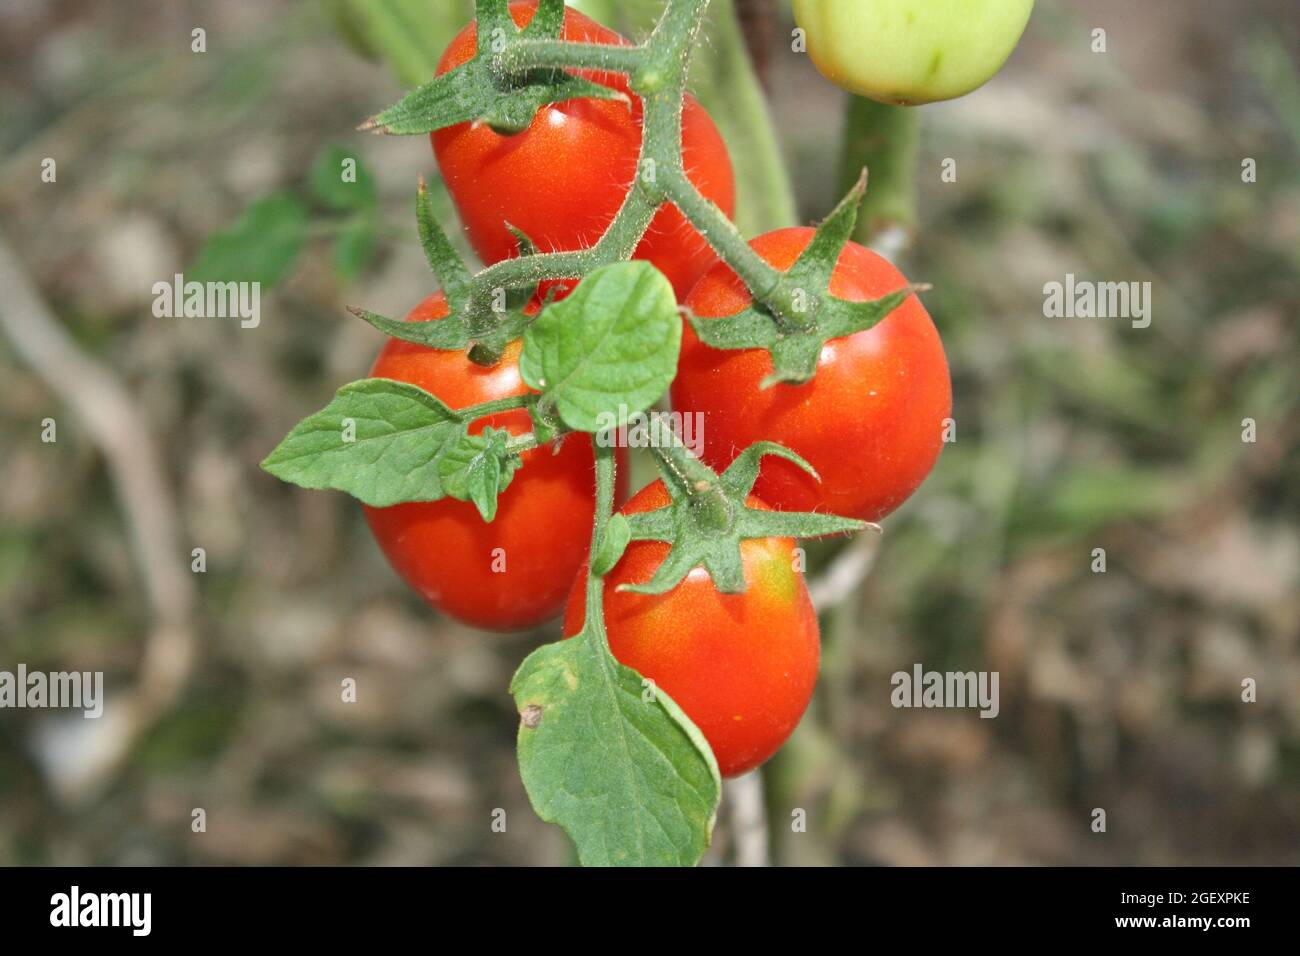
<point x="742" y="666"/>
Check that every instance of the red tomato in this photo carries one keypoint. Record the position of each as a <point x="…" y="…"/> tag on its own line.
<point x="742" y="666"/>
<point x="563" y="179"/>
<point x="871" y="422"/>
<point x="515" y="572"/>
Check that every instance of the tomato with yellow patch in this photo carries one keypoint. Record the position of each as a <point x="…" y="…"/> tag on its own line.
<point x="741" y="666"/>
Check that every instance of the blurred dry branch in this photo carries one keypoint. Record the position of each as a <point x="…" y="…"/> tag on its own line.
<point x="747" y="818"/>
<point x="80" y="757"/>
<point x="841" y="579"/>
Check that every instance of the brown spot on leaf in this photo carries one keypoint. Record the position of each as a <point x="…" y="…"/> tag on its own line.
<point x="531" y="716"/>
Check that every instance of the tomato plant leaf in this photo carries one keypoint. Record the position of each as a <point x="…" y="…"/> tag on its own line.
<point x="609" y="350"/>
<point x="612" y="761"/>
<point x="261" y="246"/>
<point x="354" y="248"/>
<point x="378" y="440"/>
<point x="477" y="468"/>
<point x="339" y="181"/>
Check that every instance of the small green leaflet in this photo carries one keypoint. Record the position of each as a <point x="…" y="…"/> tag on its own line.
<point x="478" y="468"/>
<point x="612" y="545"/>
<point x="387" y="442"/>
<point x="607" y="351"/>
<point x="261" y="246"/>
<point x="354" y="248"/>
<point x="340" y="182"/>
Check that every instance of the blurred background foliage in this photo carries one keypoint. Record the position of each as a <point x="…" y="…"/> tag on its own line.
<point x="1119" y="690"/>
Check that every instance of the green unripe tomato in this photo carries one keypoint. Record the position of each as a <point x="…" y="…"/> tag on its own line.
<point x="908" y="52"/>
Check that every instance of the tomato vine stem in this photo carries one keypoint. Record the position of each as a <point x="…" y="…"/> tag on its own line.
<point x="565" y="54"/>
<point x="606" y="474"/>
<point x="500" y="405"/>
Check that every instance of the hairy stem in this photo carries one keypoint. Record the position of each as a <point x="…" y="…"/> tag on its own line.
<point x="563" y="54"/>
<point x="606" y="473"/>
<point x="475" y="412"/>
<point x="722" y="235"/>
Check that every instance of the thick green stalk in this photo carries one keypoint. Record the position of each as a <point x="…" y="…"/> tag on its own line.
<point x="884" y="139"/>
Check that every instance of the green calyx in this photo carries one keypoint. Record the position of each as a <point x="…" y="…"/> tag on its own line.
<point x="807" y="316"/>
<point x="710" y="516"/>
<point x="485" y="332"/>
<point x="482" y="91"/>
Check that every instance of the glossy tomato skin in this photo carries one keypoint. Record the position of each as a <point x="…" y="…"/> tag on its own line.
<point x="563" y="179"/>
<point x="443" y="549"/>
<point x="909" y="52"/>
<point x="871" y="421"/>
<point x="742" y="666"/>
